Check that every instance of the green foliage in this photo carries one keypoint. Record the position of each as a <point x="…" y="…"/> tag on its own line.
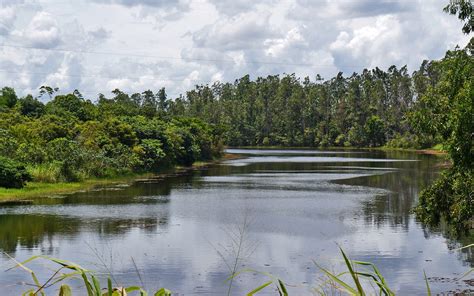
<point x="374" y="131"/>
<point x="8" y="97"/>
<point x="465" y="11"/>
<point x="71" y="139"/>
<point x="405" y="141"/>
<point x="357" y="271"/>
<point x="68" y="270"/>
<point x="151" y="154"/>
<point x="30" y="106"/>
<point x="12" y="174"/>
<point x="451" y="197"/>
<point x="447" y="109"/>
<point x="362" y="110"/>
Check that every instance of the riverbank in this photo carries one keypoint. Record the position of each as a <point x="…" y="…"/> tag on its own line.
<point x="41" y="189"/>
<point x="430" y="151"/>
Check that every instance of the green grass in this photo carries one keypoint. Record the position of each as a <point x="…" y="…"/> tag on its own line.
<point x="48" y="187"/>
<point x="438" y="147"/>
<point x="42" y="189"/>
<point x="68" y="270"/>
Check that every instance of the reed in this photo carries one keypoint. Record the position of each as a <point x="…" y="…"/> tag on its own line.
<point x="68" y="270"/>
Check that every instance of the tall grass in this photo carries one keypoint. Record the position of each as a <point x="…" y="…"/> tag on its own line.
<point x="67" y="271"/>
<point x="353" y="281"/>
<point x="358" y="271"/>
<point x="47" y="172"/>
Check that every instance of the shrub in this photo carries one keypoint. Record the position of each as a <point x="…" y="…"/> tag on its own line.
<point x="12" y="174"/>
<point x="266" y="141"/>
<point x="451" y="197"/>
<point x="151" y="154"/>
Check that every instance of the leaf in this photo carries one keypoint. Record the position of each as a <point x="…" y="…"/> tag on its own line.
<point x="65" y="290"/>
<point x="428" y="290"/>
<point x="109" y="287"/>
<point x="96" y="285"/>
<point x="251" y="293"/>
<point x="163" y="292"/>
<point x="333" y="277"/>
<point x="353" y="274"/>
<point x="283" y="288"/>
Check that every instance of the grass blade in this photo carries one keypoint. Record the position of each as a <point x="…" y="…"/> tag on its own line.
<point x="251" y="293"/>
<point x="353" y="274"/>
<point x="282" y="287"/>
<point x="428" y="289"/>
<point x="65" y="290"/>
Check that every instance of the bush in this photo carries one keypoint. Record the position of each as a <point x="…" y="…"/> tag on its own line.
<point x="451" y="197"/>
<point x="151" y="154"/>
<point x="12" y="174"/>
<point x="46" y="172"/>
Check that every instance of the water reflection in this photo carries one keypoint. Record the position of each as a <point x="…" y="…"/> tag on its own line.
<point x="304" y="202"/>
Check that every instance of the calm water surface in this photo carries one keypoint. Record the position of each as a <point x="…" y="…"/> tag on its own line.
<point x="297" y="206"/>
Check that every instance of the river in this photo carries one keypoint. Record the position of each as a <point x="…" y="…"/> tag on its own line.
<point x="286" y="209"/>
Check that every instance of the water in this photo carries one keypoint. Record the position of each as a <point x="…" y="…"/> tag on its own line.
<point x="298" y="206"/>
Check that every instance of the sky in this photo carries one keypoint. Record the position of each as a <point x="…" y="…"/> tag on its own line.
<point x="135" y="45"/>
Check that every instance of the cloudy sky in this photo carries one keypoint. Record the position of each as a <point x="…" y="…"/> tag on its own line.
<point x="99" y="45"/>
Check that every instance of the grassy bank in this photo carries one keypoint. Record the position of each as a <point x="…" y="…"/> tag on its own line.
<point x="41" y="189"/>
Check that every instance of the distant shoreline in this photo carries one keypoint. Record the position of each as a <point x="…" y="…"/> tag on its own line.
<point x="419" y="151"/>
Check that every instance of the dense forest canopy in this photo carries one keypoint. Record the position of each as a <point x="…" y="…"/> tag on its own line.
<point x="70" y="138"/>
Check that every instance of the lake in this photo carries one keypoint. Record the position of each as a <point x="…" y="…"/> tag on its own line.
<point x="285" y="208"/>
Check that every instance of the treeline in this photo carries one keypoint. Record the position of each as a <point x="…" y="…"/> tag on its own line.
<point x="70" y="138"/>
<point x="433" y="105"/>
<point x="362" y="110"/>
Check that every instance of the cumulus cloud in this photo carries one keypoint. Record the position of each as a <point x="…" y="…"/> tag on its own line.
<point x="84" y="44"/>
<point x="232" y="7"/>
<point x="99" y="34"/>
<point x="279" y="46"/>
<point x="7" y="19"/>
<point x="394" y="39"/>
<point x="151" y="3"/>
<point x="43" y="31"/>
<point x="242" y="32"/>
<point x="156" y="10"/>
<point x="367" y="8"/>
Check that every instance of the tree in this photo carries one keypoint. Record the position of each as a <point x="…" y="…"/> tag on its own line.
<point x="151" y="154"/>
<point x="44" y="89"/>
<point x="32" y="107"/>
<point x="447" y="109"/>
<point x="374" y="131"/>
<point x="465" y="12"/>
<point x="12" y="174"/>
<point x="8" y="97"/>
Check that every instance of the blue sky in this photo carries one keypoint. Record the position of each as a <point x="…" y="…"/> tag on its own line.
<point x="99" y="45"/>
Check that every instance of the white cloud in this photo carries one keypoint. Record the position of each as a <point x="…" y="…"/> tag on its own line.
<point x="276" y="47"/>
<point x="7" y="18"/>
<point x="178" y="44"/>
<point x="43" y="31"/>
<point x="241" y="32"/>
